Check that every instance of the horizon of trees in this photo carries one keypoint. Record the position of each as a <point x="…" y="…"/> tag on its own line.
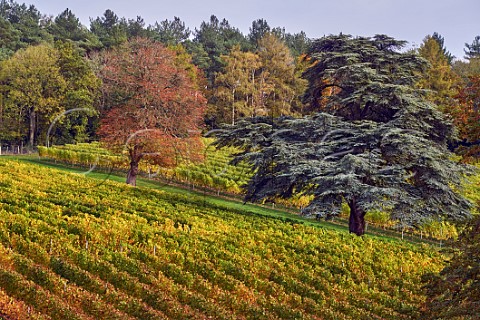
<point x="259" y="73"/>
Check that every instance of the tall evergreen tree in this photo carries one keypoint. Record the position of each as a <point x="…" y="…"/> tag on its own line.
<point x="473" y="49"/>
<point x="67" y="27"/>
<point x="258" y="29"/>
<point x="136" y="28"/>
<point x="26" y="21"/>
<point x="374" y="143"/>
<point x="170" y="32"/>
<point x="9" y="40"/>
<point x="441" y="42"/>
<point x="110" y="29"/>
<point x="200" y="57"/>
<point x="438" y="78"/>
<point x="298" y="42"/>
<point x="217" y="38"/>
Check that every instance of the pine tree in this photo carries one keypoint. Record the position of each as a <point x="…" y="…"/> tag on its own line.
<point x="110" y="30"/>
<point x="258" y="30"/>
<point x="170" y="32"/>
<point x="473" y="49"/>
<point x="438" y="78"/>
<point x="217" y="38"/>
<point x="136" y="28"/>
<point x="374" y="143"/>
<point x="441" y="42"/>
<point x="24" y="22"/>
<point x="67" y="27"/>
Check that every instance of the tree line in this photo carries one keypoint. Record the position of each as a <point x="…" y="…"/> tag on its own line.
<point x="241" y="75"/>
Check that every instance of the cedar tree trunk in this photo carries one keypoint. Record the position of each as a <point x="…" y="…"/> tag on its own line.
<point x="356" y="223"/>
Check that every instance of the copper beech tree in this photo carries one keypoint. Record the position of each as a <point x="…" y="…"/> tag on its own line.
<point x="153" y="107"/>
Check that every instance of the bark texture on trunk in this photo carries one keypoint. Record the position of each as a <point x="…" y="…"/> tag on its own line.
<point x="132" y="173"/>
<point x="31" y="140"/>
<point x="356" y="221"/>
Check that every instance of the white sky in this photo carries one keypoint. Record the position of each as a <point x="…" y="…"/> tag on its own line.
<point x="458" y="21"/>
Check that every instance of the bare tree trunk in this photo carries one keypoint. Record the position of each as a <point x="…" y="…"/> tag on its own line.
<point x="132" y="173"/>
<point x="31" y="140"/>
<point x="233" y="107"/>
<point x="356" y="221"/>
<point x="1" y="113"/>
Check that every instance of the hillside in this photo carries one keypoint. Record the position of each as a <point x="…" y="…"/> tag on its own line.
<point x="214" y="171"/>
<point x="72" y="248"/>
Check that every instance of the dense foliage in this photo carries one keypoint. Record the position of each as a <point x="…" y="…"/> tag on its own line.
<point x="466" y="114"/>
<point x="216" y="173"/>
<point x="454" y="293"/>
<point x="34" y="90"/>
<point x="438" y="78"/>
<point x="257" y="83"/>
<point x="39" y="84"/>
<point x="154" y="109"/>
<point x="73" y="249"/>
<point x="472" y="50"/>
<point x="23" y="25"/>
<point x="376" y="145"/>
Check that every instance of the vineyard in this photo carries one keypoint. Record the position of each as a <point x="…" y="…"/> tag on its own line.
<point x="73" y="249"/>
<point x="215" y="172"/>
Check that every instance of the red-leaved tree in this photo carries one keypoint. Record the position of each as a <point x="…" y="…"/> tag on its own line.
<point x="153" y="108"/>
<point x="466" y="115"/>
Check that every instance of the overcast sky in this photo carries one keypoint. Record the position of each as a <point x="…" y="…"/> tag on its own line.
<point x="458" y="21"/>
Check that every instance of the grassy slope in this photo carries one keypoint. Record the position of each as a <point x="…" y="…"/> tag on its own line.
<point x="72" y="248"/>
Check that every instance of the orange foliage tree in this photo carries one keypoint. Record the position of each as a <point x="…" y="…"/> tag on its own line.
<point x="466" y="115"/>
<point x="153" y="108"/>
